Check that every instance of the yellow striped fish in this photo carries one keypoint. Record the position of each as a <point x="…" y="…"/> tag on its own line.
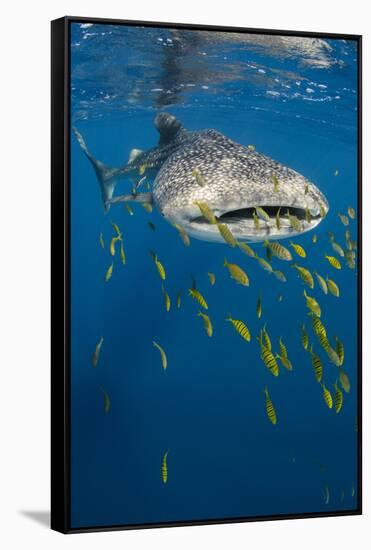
<point x="122" y="254"/>
<point x="294" y="222"/>
<point x="106" y="401"/>
<point x="101" y="240"/>
<point x="271" y="413"/>
<point x="278" y="250"/>
<point x="237" y="273"/>
<point x="197" y="176"/>
<point x="339" y="348"/>
<point x="327" y="397"/>
<point x="314" y="239"/>
<point x="350" y="259"/>
<point x="338" y="399"/>
<point x="207" y="323"/>
<point x="276" y="185"/>
<point x="179" y="299"/>
<point x="337" y="248"/>
<point x="285" y="362"/>
<point x="333" y="287"/>
<point x="322" y="283"/>
<point x="278" y="219"/>
<point x="183" y="235"/>
<point x="334" y="262"/>
<point x="129" y="209"/>
<point x="344" y="219"/>
<point x="196" y="295"/>
<point x="312" y="304"/>
<point x="164" y="468"/>
<point x="207" y="213"/>
<point x="333" y="356"/>
<point x="246" y="249"/>
<point x="259" y="308"/>
<point x="299" y="250"/>
<point x="269" y="360"/>
<point x="116" y="229"/>
<point x="264" y="264"/>
<point x="147" y="207"/>
<point x="109" y="273"/>
<point x="268" y="253"/>
<point x="96" y="353"/>
<point x="304" y="338"/>
<point x="160" y="268"/>
<point x="256" y="220"/>
<point x="279" y="275"/>
<point x="320" y="332"/>
<point x="265" y="336"/>
<point x="112" y="245"/>
<point x="351" y="213"/>
<point x="344" y="381"/>
<point x="305" y="275"/>
<point x="317" y="366"/>
<point x="283" y="350"/>
<point x="262" y="214"/>
<point x="162" y="353"/>
<point x="166" y="299"/>
<point x="226" y="234"/>
<point x="240" y="327"/>
<point x="211" y="278"/>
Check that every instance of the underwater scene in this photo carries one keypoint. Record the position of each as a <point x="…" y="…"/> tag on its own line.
<point x="214" y="272"/>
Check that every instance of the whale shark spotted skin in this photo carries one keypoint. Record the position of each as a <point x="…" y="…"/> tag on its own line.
<point x="235" y="180"/>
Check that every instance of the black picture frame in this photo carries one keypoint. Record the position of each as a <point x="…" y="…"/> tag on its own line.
<point x="60" y="273"/>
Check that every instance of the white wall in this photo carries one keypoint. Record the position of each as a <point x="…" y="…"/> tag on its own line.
<point x="24" y="272"/>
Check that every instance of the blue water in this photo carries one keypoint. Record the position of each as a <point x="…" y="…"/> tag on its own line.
<point x="297" y="103"/>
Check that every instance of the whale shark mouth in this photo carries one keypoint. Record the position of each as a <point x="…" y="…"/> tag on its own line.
<point x="244" y="227"/>
<point x="236" y="216"/>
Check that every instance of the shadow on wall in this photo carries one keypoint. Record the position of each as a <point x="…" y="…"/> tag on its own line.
<point x="42" y="517"/>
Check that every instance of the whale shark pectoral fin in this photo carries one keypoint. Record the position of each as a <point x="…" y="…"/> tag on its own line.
<point x="168" y="127"/>
<point x="138" y="197"/>
<point x="107" y="176"/>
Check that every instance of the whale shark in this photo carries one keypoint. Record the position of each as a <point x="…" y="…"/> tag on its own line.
<point x="189" y="168"/>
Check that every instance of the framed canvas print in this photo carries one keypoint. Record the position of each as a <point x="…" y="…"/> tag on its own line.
<point x="206" y="274"/>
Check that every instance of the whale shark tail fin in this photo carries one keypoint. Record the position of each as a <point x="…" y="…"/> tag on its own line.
<point x="107" y="176"/>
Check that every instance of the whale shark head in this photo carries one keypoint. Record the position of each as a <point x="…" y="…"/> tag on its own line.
<point x="233" y="181"/>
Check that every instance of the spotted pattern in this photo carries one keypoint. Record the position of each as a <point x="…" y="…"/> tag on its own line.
<point x="234" y="177"/>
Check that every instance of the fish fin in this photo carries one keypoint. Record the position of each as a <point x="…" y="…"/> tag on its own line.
<point x="168" y="127"/>
<point x="134" y="154"/>
<point x="107" y="176"/>
<point x="137" y="197"/>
